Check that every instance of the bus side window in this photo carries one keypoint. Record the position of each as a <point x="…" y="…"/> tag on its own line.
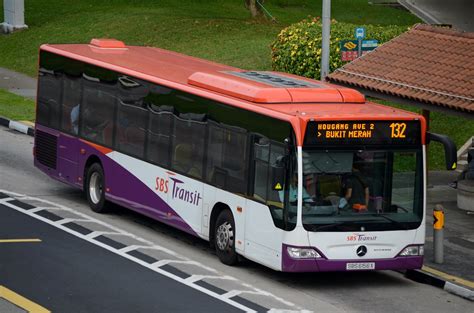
<point x="275" y="197"/>
<point x="216" y="175"/>
<point x="189" y="134"/>
<point x="49" y="94"/>
<point x="227" y="157"/>
<point x="131" y="129"/>
<point x="159" y="134"/>
<point x="132" y="117"/>
<point x="70" y="105"/>
<point x="97" y="111"/>
<point x="262" y="154"/>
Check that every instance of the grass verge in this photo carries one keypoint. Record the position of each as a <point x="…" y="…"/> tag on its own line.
<point x="16" y="107"/>
<point x="218" y="30"/>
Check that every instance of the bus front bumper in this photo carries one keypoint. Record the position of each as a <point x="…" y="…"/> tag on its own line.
<point x="322" y="264"/>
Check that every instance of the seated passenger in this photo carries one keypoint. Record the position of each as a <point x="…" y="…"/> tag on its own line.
<point x="293" y="192"/>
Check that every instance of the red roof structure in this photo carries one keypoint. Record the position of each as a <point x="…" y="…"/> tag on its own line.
<point x="428" y="66"/>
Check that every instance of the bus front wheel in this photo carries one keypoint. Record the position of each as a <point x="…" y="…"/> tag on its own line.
<point x="94" y="188"/>
<point x="224" y="238"/>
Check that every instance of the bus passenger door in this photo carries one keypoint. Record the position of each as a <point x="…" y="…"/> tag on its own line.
<point x="264" y="217"/>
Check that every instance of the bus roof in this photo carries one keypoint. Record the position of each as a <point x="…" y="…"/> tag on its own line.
<point x="280" y="95"/>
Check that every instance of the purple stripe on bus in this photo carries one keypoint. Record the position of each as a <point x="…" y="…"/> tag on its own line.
<point x="125" y="189"/>
<point x="324" y="265"/>
<point x="129" y="191"/>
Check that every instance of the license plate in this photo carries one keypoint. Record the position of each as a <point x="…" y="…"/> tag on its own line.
<point x="360" y="266"/>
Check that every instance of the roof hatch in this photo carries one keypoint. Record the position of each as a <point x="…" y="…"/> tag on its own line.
<point x="107" y="43"/>
<point x="273" y="87"/>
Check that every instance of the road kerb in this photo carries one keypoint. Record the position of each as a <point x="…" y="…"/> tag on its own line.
<point x="26" y="128"/>
<point x="447" y="282"/>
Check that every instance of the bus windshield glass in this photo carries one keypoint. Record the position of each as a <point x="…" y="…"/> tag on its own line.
<point x="362" y="190"/>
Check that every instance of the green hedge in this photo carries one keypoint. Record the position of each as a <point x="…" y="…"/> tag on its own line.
<point x="297" y="48"/>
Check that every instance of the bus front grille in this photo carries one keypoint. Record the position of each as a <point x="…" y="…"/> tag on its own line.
<point x="46" y="147"/>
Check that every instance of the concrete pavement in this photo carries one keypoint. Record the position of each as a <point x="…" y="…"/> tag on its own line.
<point x="458" y="265"/>
<point x="18" y="83"/>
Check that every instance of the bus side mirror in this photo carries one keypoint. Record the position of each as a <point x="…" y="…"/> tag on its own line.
<point x="278" y="173"/>
<point x="450" y="151"/>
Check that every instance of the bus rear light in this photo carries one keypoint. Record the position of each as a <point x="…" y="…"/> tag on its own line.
<point x="417" y="250"/>
<point x="303" y="253"/>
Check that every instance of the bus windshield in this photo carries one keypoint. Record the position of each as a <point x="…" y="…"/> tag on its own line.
<point x="362" y="190"/>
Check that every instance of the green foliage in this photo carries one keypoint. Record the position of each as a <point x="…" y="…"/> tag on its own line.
<point x="297" y="48"/>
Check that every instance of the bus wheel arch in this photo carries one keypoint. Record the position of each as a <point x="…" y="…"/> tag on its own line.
<point x="222" y="233"/>
<point x="94" y="185"/>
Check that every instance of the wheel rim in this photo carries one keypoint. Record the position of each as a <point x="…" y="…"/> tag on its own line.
<point x="225" y="236"/>
<point x="95" y="187"/>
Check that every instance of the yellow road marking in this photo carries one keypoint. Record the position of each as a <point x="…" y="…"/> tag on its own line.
<point x="451" y="278"/>
<point x="19" y="240"/>
<point x="20" y="301"/>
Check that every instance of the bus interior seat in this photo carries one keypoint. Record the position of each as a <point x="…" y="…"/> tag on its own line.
<point x="329" y="185"/>
<point x="218" y="177"/>
<point x="109" y="133"/>
<point x="183" y="160"/>
<point x="182" y="156"/>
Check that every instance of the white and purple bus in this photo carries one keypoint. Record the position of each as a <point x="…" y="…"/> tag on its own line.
<point x="293" y="173"/>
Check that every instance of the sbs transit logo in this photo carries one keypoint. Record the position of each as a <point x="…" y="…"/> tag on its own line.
<point x="177" y="188"/>
<point x="361" y="237"/>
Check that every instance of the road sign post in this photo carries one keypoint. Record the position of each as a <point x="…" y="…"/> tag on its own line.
<point x="438" y="234"/>
<point x="325" y="40"/>
<point x="360" y="35"/>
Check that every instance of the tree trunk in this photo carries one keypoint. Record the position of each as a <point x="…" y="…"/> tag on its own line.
<point x="253" y="7"/>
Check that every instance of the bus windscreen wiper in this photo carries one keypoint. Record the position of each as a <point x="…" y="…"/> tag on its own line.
<point x="390" y="220"/>
<point x="344" y="223"/>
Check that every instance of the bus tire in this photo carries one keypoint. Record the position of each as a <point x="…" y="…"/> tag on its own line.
<point x="224" y="238"/>
<point x="94" y="188"/>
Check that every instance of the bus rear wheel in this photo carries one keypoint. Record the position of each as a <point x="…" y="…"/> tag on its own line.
<point x="94" y="188"/>
<point x="224" y="238"/>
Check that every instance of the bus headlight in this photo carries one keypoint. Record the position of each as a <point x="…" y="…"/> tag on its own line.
<point x="413" y="251"/>
<point x="302" y="253"/>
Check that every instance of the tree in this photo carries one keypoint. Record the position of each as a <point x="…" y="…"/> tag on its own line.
<point x="254" y="8"/>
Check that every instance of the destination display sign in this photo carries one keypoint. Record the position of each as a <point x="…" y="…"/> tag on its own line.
<point x="363" y="133"/>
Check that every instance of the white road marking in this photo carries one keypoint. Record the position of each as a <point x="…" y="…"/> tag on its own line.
<point x="37" y="209"/>
<point x="195" y="278"/>
<point x="231" y="294"/>
<point x="96" y="234"/>
<point x="69" y="220"/>
<point x="189" y="281"/>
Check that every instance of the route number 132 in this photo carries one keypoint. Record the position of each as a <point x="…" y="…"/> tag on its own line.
<point x="398" y="130"/>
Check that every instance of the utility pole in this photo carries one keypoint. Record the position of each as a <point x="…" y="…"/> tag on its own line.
<point x="325" y="38"/>
<point x="14" y="16"/>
